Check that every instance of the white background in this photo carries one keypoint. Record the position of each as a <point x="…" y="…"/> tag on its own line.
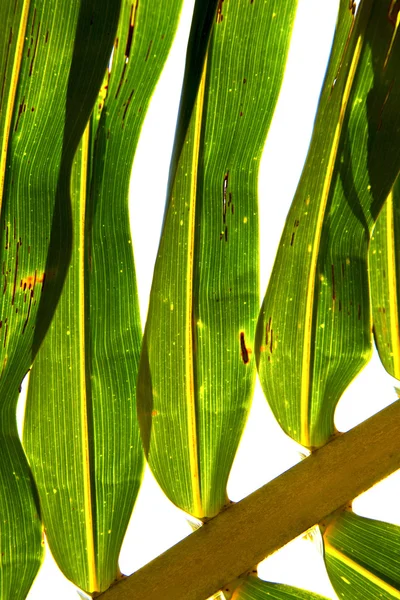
<point x="265" y="451"/>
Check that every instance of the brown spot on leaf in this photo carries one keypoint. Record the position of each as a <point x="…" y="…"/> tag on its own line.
<point x="21" y="109"/>
<point x="27" y="314"/>
<point x="224" y="190"/>
<point x="243" y="349"/>
<point x="130" y="32"/>
<point x="148" y="51"/>
<point x="219" y="17"/>
<point x="15" y="274"/>
<point x="35" y="48"/>
<point x="127" y="103"/>
<point x="267" y="331"/>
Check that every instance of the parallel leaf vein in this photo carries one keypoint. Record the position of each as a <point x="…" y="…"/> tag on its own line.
<point x="190" y="392"/>
<point x="12" y="92"/>
<point x="330" y="550"/>
<point x="306" y="358"/>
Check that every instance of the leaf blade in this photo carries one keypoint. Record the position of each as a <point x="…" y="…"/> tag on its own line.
<point x="35" y="50"/>
<point x="383" y="270"/>
<point x="309" y="350"/>
<point x="257" y="589"/>
<point x="204" y="297"/>
<point x="361" y="556"/>
<point x="96" y="330"/>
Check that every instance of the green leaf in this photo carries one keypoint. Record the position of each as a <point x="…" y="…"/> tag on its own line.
<point x="257" y="589"/>
<point x="197" y="365"/>
<point x="81" y="433"/>
<point x="384" y="268"/>
<point x="46" y="94"/>
<point x="313" y="334"/>
<point x="362" y="557"/>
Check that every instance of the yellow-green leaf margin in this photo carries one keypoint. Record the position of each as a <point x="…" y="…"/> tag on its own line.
<point x="81" y="432"/>
<point x="314" y="330"/>
<point x="197" y="367"/>
<point x="46" y="94"/>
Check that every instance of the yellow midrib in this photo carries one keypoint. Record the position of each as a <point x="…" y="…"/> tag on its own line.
<point x="392" y="277"/>
<point x="361" y="570"/>
<point x="90" y="548"/>
<point x="306" y="357"/>
<point x="190" y="391"/>
<point x="12" y="93"/>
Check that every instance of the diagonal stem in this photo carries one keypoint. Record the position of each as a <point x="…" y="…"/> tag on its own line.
<point x="260" y="524"/>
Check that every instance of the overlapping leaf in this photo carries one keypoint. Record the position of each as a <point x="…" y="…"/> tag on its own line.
<point x="197" y="365"/>
<point x="362" y="557"/>
<point x="46" y="93"/>
<point x="314" y="330"/>
<point x="81" y="432"/>
<point x="384" y="269"/>
<point x="257" y="589"/>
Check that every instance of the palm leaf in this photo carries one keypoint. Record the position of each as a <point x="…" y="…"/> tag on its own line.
<point x="42" y="74"/>
<point x="313" y="333"/>
<point x="197" y="366"/>
<point x="81" y="433"/>
<point x="384" y="267"/>
<point x="257" y="589"/>
<point x="362" y="557"/>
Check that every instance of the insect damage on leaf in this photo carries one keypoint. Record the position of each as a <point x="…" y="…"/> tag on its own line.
<point x="219" y="17"/>
<point x="148" y="51"/>
<point x="130" y="31"/>
<point x="243" y="349"/>
<point x="127" y="103"/>
<point x="34" y="43"/>
<point x="30" y="281"/>
<point x="224" y="190"/>
<point x="269" y="334"/>
<point x="15" y="273"/>
<point x="224" y="234"/>
<point x="226" y="203"/>
<point x="296" y="224"/>
<point x="128" y="46"/>
<point x="21" y="110"/>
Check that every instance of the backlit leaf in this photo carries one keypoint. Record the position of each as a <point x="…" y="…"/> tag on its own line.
<point x="197" y="364"/>
<point x="314" y="330"/>
<point x="362" y="557"/>
<point x="81" y="433"/>
<point x="384" y="270"/>
<point x="46" y="94"/>
<point x="257" y="589"/>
